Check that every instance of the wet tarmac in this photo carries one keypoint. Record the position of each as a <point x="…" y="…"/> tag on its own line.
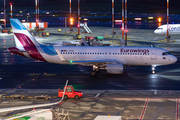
<point x="19" y="72"/>
<point x="136" y="94"/>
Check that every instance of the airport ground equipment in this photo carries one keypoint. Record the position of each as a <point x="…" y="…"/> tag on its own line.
<point x="105" y="117"/>
<point x="70" y="93"/>
<point x="32" y="25"/>
<point x="59" y="30"/>
<point x="42" y="97"/>
<point x="33" y="106"/>
<point x="1" y="96"/>
<point x="59" y="114"/>
<point x="18" y="96"/>
<point x="89" y="37"/>
<point x="77" y="36"/>
<point x="86" y="28"/>
<point x="99" y="38"/>
<point x="38" y="29"/>
<point x="5" y="30"/>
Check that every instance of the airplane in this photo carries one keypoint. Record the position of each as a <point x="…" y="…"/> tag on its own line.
<point x="173" y="29"/>
<point x="112" y="59"/>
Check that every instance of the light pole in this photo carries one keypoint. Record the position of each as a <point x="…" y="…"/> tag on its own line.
<point x="70" y="13"/>
<point x="36" y="14"/>
<point x="113" y="17"/>
<point x="123" y="19"/>
<point x="78" y="16"/>
<point x="27" y="18"/>
<point x="11" y="9"/>
<point x="125" y="22"/>
<point x="4" y="14"/>
<point x="167" y="18"/>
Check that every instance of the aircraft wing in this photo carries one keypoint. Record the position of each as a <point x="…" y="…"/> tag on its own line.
<point x="96" y="61"/>
<point x="100" y="62"/>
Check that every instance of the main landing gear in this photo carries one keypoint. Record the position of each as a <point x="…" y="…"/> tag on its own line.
<point x="153" y="69"/>
<point x="95" y="70"/>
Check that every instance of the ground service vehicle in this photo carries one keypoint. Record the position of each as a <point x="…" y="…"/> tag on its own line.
<point x="70" y="93"/>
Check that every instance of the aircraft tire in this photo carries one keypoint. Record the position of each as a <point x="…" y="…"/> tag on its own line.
<point x="97" y="70"/>
<point x="93" y="73"/>
<point x="76" y="97"/>
<point x="65" y="97"/>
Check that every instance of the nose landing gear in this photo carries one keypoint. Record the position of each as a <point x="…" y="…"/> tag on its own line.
<point x="153" y="69"/>
<point x="95" y="70"/>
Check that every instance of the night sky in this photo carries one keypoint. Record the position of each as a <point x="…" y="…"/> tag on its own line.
<point x="63" y="5"/>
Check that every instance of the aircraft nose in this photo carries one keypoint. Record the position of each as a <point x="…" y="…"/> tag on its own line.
<point x="155" y="32"/>
<point x="174" y="59"/>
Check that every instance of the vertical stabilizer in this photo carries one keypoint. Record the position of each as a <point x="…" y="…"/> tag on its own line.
<point x="23" y="38"/>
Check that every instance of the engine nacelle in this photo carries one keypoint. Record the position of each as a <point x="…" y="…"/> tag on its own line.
<point x="114" y="68"/>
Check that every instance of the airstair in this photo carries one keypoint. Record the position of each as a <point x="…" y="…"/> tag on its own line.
<point x="86" y="28"/>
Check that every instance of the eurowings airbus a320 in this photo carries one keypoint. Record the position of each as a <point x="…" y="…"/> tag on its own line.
<point x="111" y="59"/>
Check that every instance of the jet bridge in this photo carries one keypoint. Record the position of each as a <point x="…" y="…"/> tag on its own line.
<point x="86" y="28"/>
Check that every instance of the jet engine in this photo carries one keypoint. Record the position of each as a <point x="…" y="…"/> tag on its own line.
<point x="114" y="68"/>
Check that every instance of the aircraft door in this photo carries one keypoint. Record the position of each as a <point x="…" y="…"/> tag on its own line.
<point x="153" y="54"/>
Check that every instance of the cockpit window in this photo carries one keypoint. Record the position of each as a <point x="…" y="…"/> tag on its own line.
<point x="166" y="53"/>
<point x="159" y="28"/>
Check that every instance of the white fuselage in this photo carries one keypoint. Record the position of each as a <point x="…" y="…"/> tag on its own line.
<point x="173" y="29"/>
<point x="124" y="55"/>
